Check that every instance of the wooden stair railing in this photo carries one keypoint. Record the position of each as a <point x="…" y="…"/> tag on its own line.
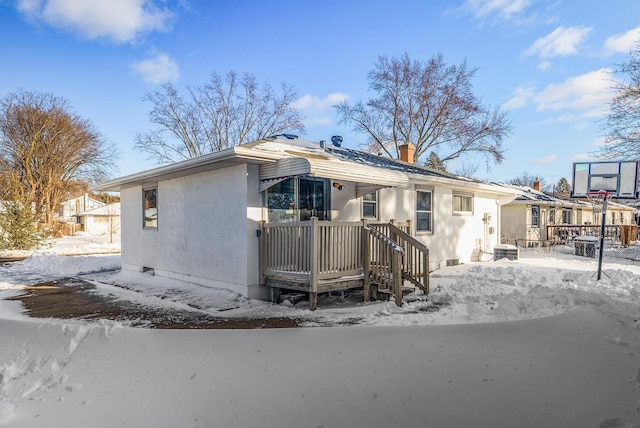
<point x="415" y="257"/>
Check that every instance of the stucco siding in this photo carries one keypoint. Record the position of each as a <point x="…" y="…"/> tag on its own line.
<point x="202" y="229"/>
<point x="513" y="222"/>
<point x="454" y="237"/>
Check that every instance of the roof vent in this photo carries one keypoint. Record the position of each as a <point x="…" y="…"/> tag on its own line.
<point x="336" y="140"/>
<point x="323" y="144"/>
<point x="287" y="136"/>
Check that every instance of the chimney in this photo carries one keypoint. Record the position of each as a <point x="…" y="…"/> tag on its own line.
<point x="407" y="152"/>
<point x="537" y="185"/>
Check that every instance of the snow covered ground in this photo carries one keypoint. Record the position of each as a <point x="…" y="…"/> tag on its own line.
<point x="528" y="343"/>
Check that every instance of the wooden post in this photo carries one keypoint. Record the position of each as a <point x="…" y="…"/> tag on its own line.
<point x="313" y="274"/>
<point x="425" y="271"/>
<point x="396" y="276"/>
<point x="366" y="262"/>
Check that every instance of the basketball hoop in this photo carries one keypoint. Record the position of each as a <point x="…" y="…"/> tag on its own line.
<point x="598" y="198"/>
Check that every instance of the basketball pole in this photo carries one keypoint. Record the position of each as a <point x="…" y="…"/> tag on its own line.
<point x="602" y="232"/>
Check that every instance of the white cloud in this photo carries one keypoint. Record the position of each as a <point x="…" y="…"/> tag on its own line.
<point x="159" y="69"/>
<point x="622" y="42"/>
<point x="580" y="97"/>
<point x="581" y="157"/>
<point x="500" y="9"/>
<point x="562" y="41"/>
<point x="545" y="160"/>
<point x="316" y="109"/>
<point x="520" y="97"/>
<point x="119" y="21"/>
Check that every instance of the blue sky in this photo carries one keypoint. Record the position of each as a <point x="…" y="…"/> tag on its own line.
<point x="548" y="62"/>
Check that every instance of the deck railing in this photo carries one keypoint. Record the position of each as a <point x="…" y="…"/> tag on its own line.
<point x="329" y="255"/>
<point x="313" y="251"/>
<point x="384" y="267"/>
<point x="623" y="234"/>
<point x="414" y="262"/>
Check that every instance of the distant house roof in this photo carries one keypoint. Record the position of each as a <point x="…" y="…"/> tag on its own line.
<point x="280" y="157"/>
<point x="105" y="210"/>
<point x="528" y="195"/>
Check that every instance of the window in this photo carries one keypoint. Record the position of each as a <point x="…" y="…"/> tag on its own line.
<point x="424" y="220"/>
<point x="535" y="215"/>
<point x="462" y="204"/>
<point x="150" y="208"/>
<point x="578" y="216"/>
<point x="552" y="215"/>
<point x="370" y="205"/>
<point x="613" y="217"/>
<point x="566" y="216"/>
<point x="299" y="199"/>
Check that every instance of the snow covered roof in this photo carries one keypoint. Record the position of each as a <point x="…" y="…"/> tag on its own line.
<point x="528" y="195"/>
<point x="105" y="210"/>
<point x="285" y="156"/>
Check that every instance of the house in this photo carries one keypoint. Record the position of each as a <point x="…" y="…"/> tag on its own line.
<point x="104" y="220"/>
<point x="238" y="217"/>
<point x="535" y="218"/>
<point x="67" y="211"/>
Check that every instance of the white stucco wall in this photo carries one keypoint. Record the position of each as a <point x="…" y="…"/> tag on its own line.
<point x="454" y="237"/>
<point x="514" y="222"/>
<point x="206" y="231"/>
<point x="95" y="225"/>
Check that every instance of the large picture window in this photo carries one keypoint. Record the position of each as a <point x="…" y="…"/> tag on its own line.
<point x="299" y="199"/>
<point x="424" y="218"/>
<point x="150" y="208"/>
<point x="462" y="204"/>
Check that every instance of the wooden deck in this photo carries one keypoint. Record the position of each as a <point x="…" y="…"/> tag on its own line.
<point x="321" y="256"/>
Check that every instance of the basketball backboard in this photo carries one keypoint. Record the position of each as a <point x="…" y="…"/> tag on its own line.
<point x="617" y="177"/>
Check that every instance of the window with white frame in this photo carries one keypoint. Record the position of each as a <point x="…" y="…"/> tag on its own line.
<point x="552" y="215"/>
<point x="150" y="208"/>
<point x="424" y="211"/>
<point x="567" y="216"/>
<point x="535" y="215"/>
<point x="370" y="205"/>
<point x="462" y="204"/>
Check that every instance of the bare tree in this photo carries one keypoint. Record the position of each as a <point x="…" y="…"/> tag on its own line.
<point x="224" y="112"/>
<point x="47" y="152"/>
<point x="525" y="180"/>
<point x="622" y="124"/>
<point x="429" y="104"/>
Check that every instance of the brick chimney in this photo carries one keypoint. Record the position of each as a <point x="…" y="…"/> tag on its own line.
<point x="407" y="152"/>
<point x="537" y="185"/>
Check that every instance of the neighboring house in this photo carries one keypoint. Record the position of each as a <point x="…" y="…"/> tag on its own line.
<point x="69" y="209"/>
<point x="213" y="219"/>
<point x="535" y="218"/>
<point x="104" y="220"/>
<point x="617" y="213"/>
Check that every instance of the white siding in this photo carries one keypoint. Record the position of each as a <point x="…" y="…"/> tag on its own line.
<point x="454" y="237"/>
<point x="204" y="234"/>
